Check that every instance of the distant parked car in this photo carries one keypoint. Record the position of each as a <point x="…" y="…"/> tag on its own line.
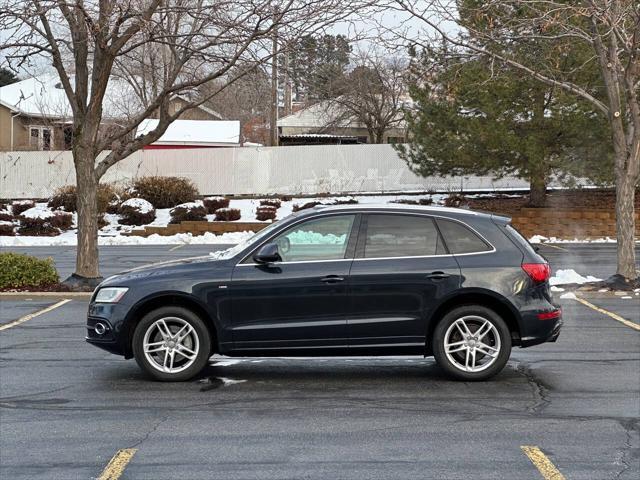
<point x="332" y="281"/>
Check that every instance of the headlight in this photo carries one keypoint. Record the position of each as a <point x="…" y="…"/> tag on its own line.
<point x="110" y="294"/>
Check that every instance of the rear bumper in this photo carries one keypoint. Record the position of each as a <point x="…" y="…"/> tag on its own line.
<point x="539" y="331"/>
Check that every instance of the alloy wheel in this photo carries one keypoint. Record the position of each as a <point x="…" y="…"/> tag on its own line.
<point x="171" y="344"/>
<point x="472" y="343"/>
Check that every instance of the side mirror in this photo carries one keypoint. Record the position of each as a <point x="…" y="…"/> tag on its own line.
<point x="268" y="253"/>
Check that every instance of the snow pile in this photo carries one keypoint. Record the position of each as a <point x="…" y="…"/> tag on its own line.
<point x="179" y="238"/>
<point x="543" y="239"/>
<point x="189" y="205"/>
<point x="315" y="238"/>
<point x="139" y="204"/>
<point x="40" y="211"/>
<point x="70" y="239"/>
<point x="563" y="277"/>
<point x="568" y="296"/>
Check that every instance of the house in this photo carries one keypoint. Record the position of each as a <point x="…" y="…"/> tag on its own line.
<point x="324" y="124"/>
<point x="194" y="134"/>
<point x="35" y="113"/>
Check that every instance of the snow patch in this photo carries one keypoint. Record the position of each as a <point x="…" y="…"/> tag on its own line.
<point x="314" y="238"/>
<point x="556" y="289"/>
<point x="543" y="239"/>
<point x="41" y="211"/>
<point x="569" y="295"/>
<point x="70" y="239"/>
<point x="569" y="275"/>
<point x="139" y="204"/>
<point x="230" y="381"/>
<point x="188" y="205"/>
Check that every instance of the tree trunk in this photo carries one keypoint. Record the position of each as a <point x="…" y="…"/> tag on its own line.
<point x="87" y="205"/>
<point x="537" y="193"/>
<point x="625" y="224"/>
<point x="537" y="190"/>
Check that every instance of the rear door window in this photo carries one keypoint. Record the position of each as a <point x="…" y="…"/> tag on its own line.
<point x="401" y="236"/>
<point x="460" y="238"/>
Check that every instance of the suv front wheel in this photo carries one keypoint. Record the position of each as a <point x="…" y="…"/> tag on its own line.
<point x="472" y="342"/>
<point x="171" y="344"/>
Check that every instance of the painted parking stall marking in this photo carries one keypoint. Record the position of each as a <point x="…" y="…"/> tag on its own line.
<point x="117" y="464"/>
<point x="615" y="316"/>
<point x="33" y="315"/>
<point x="546" y="468"/>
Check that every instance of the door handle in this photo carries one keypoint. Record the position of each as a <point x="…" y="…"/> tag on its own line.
<point x="438" y="275"/>
<point x="332" y="279"/>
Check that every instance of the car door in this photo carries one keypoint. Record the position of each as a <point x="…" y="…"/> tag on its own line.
<point x="401" y="269"/>
<point x="301" y="301"/>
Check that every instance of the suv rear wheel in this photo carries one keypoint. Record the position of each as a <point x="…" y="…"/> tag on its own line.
<point x="171" y="344"/>
<point x="472" y="342"/>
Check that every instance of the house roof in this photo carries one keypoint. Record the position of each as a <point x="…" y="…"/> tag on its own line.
<point x="195" y="132"/>
<point x="204" y="108"/>
<point x="318" y="115"/>
<point x="324" y="115"/>
<point x="43" y="96"/>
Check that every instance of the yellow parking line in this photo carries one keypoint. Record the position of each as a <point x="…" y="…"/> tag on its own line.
<point x="547" y="469"/>
<point x="626" y="322"/>
<point x="33" y="315"/>
<point x="177" y="247"/>
<point x="117" y="464"/>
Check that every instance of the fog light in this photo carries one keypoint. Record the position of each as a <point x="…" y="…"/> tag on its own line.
<point x="100" y="328"/>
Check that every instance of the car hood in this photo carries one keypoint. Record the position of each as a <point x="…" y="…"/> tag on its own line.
<point x="157" y="269"/>
<point x="170" y="263"/>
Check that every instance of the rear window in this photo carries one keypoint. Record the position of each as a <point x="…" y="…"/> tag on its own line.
<point x="401" y="236"/>
<point x="461" y="239"/>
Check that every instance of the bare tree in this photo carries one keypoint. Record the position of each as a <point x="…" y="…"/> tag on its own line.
<point x="162" y="47"/>
<point x="372" y="94"/>
<point x="247" y="99"/>
<point x="609" y="29"/>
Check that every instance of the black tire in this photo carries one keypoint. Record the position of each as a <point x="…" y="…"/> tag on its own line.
<point x="471" y="313"/>
<point x="199" y="329"/>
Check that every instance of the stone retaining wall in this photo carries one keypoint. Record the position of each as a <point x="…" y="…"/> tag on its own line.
<point x="568" y="223"/>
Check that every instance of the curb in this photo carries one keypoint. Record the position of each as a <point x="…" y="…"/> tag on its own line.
<point x="46" y="294"/>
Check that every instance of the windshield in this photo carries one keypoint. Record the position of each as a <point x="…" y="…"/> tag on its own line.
<point x="233" y="251"/>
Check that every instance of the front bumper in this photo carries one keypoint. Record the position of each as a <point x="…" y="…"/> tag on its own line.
<point x="105" y="327"/>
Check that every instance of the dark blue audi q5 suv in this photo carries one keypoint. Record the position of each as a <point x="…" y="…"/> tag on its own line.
<point x="459" y="285"/>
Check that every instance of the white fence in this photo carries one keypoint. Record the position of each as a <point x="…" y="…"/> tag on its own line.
<point x="295" y="170"/>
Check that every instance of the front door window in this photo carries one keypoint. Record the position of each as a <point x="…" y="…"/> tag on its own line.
<point x="322" y="239"/>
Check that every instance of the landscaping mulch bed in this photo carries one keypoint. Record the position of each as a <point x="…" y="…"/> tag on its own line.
<point x="53" y="287"/>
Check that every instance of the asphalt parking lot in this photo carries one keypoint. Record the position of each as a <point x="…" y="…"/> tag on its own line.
<point x="66" y="408"/>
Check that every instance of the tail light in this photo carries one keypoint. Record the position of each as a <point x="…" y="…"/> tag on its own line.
<point x="538" y="272"/>
<point x="552" y="315"/>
